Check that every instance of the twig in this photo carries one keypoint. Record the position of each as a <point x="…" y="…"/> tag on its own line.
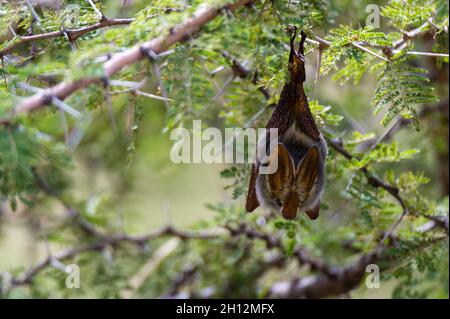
<point x="387" y="51"/>
<point x="443" y="55"/>
<point x="271" y="241"/>
<point x="145" y="271"/>
<point x="242" y="72"/>
<point x="71" y="34"/>
<point x="113" y="241"/>
<point x="321" y="285"/>
<point x="33" y="12"/>
<point x="369" y="51"/>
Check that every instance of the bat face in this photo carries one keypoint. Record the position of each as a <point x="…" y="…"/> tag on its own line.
<point x="295" y="185"/>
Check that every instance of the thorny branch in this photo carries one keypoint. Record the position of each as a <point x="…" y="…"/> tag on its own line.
<point x="387" y="51"/>
<point x="178" y="33"/>
<point x="331" y="280"/>
<point x="345" y="278"/>
<point x="71" y="34"/>
<point x="122" y="59"/>
<point x="101" y="244"/>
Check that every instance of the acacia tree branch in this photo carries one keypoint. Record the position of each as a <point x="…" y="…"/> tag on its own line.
<point x="388" y="51"/>
<point x="271" y="241"/>
<point x="346" y="278"/>
<point x="72" y="213"/>
<point x="320" y="286"/>
<point x="120" y="60"/>
<point x="331" y="280"/>
<point x="109" y="241"/>
<point x="72" y="34"/>
<point x="243" y="72"/>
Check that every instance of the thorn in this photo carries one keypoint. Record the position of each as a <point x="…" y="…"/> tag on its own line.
<point x="109" y="104"/>
<point x="12" y="31"/>
<point x="64" y="106"/>
<point x="157" y="73"/>
<point x="99" y="13"/>
<point x="55" y="263"/>
<point x="65" y="127"/>
<point x="72" y="44"/>
<point x="33" y="12"/>
<point x="153" y="96"/>
<point x="130" y="84"/>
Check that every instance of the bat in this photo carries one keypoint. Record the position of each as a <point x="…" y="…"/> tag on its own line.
<point x="300" y="151"/>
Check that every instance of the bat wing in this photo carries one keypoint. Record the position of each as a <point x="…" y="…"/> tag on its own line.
<point x="279" y="121"/>
<point x="281" y="116"/>
<point x="252" y="202"/>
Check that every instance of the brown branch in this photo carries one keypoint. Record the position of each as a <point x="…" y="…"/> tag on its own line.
<point x="29" y="275"/>
<point x="122" y="59"/>
<point x="72" y="213"/>
<point x="425" y="112"/>
<point x="271" y="241"/>
<point x="242" y="72"/>
<point x="168" y="230"/>
<point x="72" y="34"/>
<point x="320" y="286"/>
<point x="111" y="241"/>
<point x="371" y="179"/>
<point x="377" y="182"/>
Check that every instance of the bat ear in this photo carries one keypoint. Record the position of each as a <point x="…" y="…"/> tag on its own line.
<point x="284" y="173"/>
<point x="314" y="212"/>
<point x="307" y="172"/>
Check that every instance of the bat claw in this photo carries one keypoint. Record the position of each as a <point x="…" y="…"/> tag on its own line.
<point x="291" y="29"/>
<point x="301" y="46"/>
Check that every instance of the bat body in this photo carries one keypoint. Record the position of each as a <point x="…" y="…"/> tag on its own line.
<point x="300" y="151"/>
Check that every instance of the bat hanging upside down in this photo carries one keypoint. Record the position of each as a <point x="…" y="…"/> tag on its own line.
<point x="300" y="150"/>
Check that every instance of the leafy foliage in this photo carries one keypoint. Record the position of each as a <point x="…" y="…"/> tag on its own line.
<point x="341" y="40"/>
<point x="400" y="87"/>
<point x="106" y="169"/>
